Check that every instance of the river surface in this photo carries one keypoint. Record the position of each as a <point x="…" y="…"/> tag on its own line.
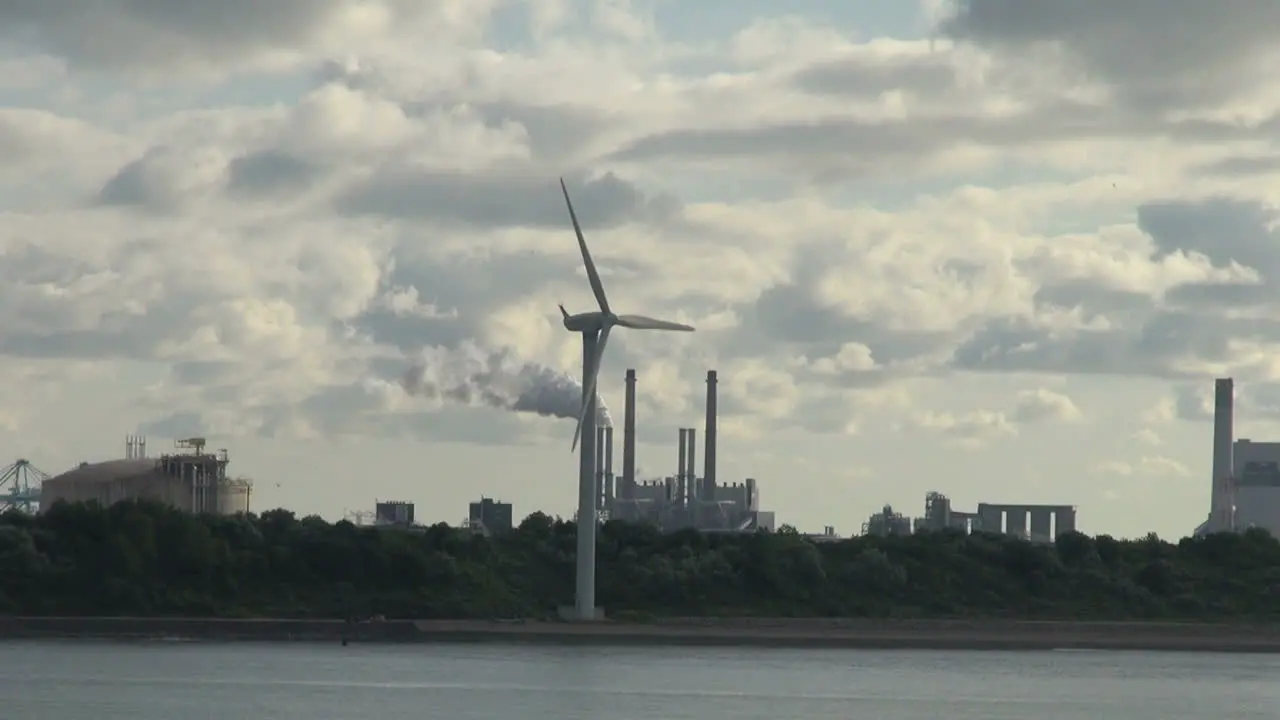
<point x="195" y="681"/>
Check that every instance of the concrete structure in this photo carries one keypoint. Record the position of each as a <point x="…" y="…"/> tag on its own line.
<point x="684" y="499"/>
<point x="1048" y="522"/>
<point x="393" y="512"/>
<point x="491" y="516"/>
<point x="193" y="481"/>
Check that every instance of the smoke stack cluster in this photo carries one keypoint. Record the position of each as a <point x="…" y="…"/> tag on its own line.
<point x="709" y="461"/>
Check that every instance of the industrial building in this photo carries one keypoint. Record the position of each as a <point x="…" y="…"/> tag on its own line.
<point x="193" y="481"/>
<point x="683" y="499"/>
<point x="393" y="512"/>
<point x="1244" y="486"/>
<point x="1037" y="523"/>
<point x="887" y="522"/>
<point x="490" y="516"/>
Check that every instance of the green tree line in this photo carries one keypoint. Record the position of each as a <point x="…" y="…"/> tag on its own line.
<point x="145" y="559"/>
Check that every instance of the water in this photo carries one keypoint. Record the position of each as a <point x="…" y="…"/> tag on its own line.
<point x="189" y="681"/>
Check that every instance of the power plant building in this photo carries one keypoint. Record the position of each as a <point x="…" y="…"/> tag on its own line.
<point x="684" y="499"/>
<point x="194" y="481"/>
<point x="1257" y="485"/>
<point x="1244" y="485"/>
<point x="393" y="512"/>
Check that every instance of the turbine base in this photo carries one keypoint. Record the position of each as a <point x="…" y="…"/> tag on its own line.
<point x="569" y="613"/>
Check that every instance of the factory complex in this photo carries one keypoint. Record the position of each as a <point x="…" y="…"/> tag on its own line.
<point x="1037" y="523"/>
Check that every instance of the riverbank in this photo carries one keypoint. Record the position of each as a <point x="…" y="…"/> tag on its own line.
<point x="755" y="632"/>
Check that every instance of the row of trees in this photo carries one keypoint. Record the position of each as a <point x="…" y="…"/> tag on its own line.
<point x="140" y="558"/>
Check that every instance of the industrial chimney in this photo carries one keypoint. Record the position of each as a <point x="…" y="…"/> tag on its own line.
<point x="600" y="471"/>
<point x="629" y="440"/>
<point x="610" y="485"/>
<point x="1220" y="501"/>
<point x="691" y="469"/>
<point x="681" y="464"/>
<point x="709" y="461"/>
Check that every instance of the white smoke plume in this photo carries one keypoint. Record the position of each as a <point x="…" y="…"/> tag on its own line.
<point x="471" y="375"/>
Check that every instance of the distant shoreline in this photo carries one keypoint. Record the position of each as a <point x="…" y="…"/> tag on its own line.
<point x="707" y="632"/>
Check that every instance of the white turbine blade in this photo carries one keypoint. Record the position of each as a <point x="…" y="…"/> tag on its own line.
<point x="588" y="390"/>
<point x="640" y="322"/>
<point x="592" y="276"/>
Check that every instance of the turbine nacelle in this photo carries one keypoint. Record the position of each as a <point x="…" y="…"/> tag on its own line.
<point x="587" y="321"/>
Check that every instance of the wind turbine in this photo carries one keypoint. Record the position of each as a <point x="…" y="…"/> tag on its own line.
<point x="595" y="327"/>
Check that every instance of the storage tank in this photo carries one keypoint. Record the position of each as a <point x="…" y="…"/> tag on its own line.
<point x="233" y="496"/>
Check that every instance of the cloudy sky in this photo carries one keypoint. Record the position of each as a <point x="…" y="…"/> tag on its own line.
<point x="997" y="250"/>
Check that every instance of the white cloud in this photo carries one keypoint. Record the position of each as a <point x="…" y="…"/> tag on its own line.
<point x="1154" y="466"/>
<point x="1044" y="404"/>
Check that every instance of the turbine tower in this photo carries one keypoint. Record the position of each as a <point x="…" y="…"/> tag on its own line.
<point x="595" y="327"/>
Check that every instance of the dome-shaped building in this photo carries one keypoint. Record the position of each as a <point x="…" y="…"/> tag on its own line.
<point x="195" y="482"/>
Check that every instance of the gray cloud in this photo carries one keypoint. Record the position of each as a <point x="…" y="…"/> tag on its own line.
<point x="858" y="145"/>
<point x="1241" y="166"/>
<point x="1159" y="53"/>
<point x="135" y="32"/>
<point x="867" y="78"/>
<point x="269" y="172"/>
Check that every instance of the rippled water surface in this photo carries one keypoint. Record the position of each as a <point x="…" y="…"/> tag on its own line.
<point x="190" y="681"/>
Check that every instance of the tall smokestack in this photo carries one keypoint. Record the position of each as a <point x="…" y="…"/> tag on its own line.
<point x="709" y="461"/>
<point x="609" y="484"/>
<point x="600" y="440"/>
<point x="682" y="463"/>
<point x="691" y="470"/>
<point x="1223" y="436"/>
<point x="629" y="439"/>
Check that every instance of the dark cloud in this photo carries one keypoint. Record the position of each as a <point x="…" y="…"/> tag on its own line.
<point x="1158" y="53"/>
<point x="269" y="172"/>
<point x="143" y="182"/>
<point x="136" y="32"/>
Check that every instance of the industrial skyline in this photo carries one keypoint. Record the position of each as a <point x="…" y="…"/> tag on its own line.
<point x="922" y="252"/>
<point x="1244" y="484"/>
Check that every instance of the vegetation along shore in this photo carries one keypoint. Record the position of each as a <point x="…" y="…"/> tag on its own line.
<point x="143" y="560"/>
